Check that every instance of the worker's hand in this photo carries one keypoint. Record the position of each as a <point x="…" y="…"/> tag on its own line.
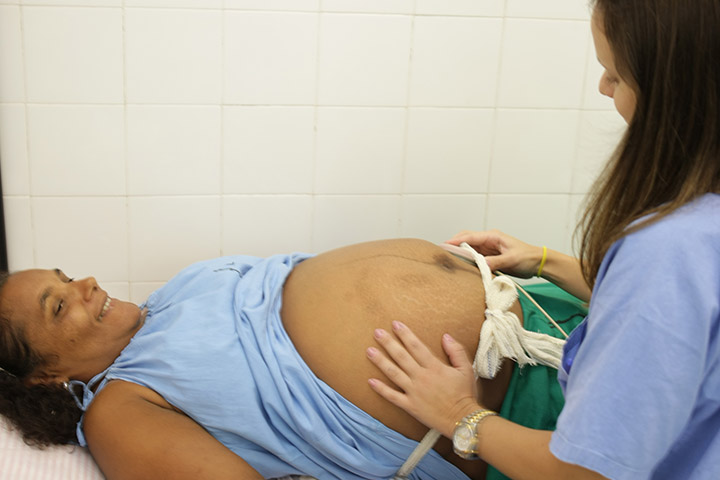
<point x="503" y="252"/>
<point x="436" y="394"/>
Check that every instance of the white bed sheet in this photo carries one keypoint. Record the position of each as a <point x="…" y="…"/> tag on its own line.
<point x="20" y="461"/>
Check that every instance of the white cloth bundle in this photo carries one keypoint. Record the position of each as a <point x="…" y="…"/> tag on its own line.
<point x="502" y="335"/>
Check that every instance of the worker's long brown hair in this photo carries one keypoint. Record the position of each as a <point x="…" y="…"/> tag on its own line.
<point x="668" y="51"/>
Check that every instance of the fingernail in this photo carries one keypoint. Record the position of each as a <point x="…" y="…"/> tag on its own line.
<point x="397" y="325"/>
<point x="449" y="338"/>
<point x="371" y="352"/>
<point x="379" y="333"/>
<point x="372" y="382"/>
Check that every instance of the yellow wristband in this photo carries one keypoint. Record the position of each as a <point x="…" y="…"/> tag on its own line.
<point x="542" y="262"/>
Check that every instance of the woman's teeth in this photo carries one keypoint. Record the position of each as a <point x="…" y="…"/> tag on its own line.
<point x="105" y="307"/>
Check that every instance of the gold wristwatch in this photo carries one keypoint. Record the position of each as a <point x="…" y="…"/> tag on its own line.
<point x="465" y="437"/>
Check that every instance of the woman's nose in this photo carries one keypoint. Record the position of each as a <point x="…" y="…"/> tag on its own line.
<point x="605" y="87"/>
<point x="87" y="287"/>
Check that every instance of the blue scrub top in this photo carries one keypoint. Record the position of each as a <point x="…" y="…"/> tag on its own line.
<point x="642" y="374"/>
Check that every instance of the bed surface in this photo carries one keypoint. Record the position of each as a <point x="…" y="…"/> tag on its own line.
<point x="23" y="462"/>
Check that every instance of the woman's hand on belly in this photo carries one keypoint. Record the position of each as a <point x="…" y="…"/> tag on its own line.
<point x="436" y="394"/>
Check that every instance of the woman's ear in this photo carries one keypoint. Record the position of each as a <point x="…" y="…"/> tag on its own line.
<point x="44" y="377"/>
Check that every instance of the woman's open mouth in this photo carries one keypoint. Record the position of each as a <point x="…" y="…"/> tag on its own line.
<point x="105" y="307"/>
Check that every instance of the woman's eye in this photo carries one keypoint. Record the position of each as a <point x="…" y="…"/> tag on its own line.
<point x="59" y="307"/>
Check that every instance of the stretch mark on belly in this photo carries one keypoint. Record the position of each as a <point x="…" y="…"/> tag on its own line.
<point x="442" y="260"/>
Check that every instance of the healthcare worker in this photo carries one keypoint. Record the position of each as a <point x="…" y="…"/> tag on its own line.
<point x="641" y="374"/>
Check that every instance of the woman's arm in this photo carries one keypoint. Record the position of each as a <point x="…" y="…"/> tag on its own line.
<point x="440" y="395"/>
<point x="134" y="434"/>
<point x="514" y="257"/>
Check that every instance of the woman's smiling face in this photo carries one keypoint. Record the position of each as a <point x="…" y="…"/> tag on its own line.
<point x="73" y="324"/>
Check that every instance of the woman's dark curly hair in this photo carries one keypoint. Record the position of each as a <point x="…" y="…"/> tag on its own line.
<point x="44" y="414"/>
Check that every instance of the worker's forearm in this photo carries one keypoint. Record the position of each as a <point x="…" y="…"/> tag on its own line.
<point x="523" y="453"/>
<point x="564" y="271"/>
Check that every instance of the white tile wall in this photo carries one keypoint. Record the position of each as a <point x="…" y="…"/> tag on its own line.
<point x="75" y="3"/>
<point x="82" y="235"/>
<point x="270" y="58"/>
<point x="543" y="63"/>
<point x="256" y="162"/>
<point x="173" y="56"/>
<point x="173" y="149"/>
<point x="490" y="8"/>
<point x="12" y="85"/>
<point x="448" y="150"/>
<point x="534" y="151"/>
<point x="19" y="233"/>
<point x="282" y="5"/>
<point x="569" y="9"/>
<point x="13" y="150"/>
<point x="344" y="219"/>
<point x="76" y="150"/>
<point x="167" y="233"/>
<point x="438" y="217"/>
<point x="73" y="55"/>
<point x="368" y="6"/>
<point x="140" y="291"/>
<point x="138" y="136"/>
<point x="261" y="224"/>
<point x="577" y="205"/>
<point x="541" y="219"/>
<point x="600" y="131"/>
<point x="359" y="150"/>
<point x="364" y="59"/>
<point x="175" y="3"/>
<point x="455" y="61"/>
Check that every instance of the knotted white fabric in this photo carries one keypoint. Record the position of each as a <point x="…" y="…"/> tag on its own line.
<point x="502" y="335"/>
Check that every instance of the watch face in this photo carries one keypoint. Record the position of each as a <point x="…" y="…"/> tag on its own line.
<point x="464" y="437"/>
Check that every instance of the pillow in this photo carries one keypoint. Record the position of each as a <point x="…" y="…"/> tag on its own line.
<point x="19" y="460"/>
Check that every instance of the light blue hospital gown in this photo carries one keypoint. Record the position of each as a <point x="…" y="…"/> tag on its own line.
<point x="642" y="397"/>
<point x="213" y="345"/>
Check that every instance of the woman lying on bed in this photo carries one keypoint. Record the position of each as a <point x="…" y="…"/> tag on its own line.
<point x="239" y="367"/>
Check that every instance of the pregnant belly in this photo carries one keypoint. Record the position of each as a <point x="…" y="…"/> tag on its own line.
<point x="332" y="304"/>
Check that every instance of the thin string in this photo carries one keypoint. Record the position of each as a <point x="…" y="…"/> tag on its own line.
<point x="555" y="324"/>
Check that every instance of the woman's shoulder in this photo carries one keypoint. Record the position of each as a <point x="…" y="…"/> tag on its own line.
<point x="116" y="394"/>
<point x="134" y="433"/>
<point x="109" y="409"/>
